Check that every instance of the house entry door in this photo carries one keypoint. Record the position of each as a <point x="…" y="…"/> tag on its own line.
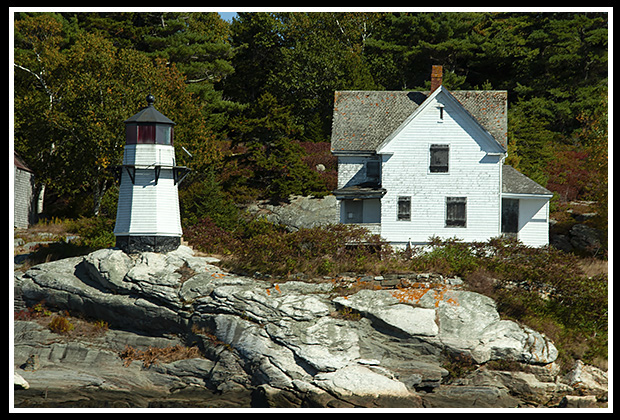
<point x="510" y="217"/>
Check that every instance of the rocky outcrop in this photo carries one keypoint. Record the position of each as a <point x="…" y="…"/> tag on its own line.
<point x="288" y="344"/>
<point x="580" y="239"/>
<point x="299" y="211"/>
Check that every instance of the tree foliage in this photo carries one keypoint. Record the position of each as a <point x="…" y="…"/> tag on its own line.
<point x="266" y="81"/>
<point x="82" y="90"/>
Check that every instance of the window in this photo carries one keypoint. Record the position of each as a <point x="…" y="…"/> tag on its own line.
<point x="131" y="133"/>
<point x="373" y="170"/>
<point x="353" y="211"/>
<point x="404" y="208"/>
<point x="164" y="134"/>
<point x="439" y="158"/>
<point x="146" y="134"/>
<point x="149" y="134"/>
<point x="456" y="211"/>
<point x="510" y="217"/>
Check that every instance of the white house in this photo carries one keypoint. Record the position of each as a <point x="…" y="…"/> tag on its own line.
<point x="412" y="165"/>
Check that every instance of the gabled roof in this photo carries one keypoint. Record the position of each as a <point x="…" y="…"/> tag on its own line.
<point x="514" y="182"/>
<point x="362" y="120"/>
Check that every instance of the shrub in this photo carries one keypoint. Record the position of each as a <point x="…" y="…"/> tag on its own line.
<point x="458" y="364"/>
<point x="449" y="257"/>
<point x="34" y="312"/>
<point x="60" y="325"/>
<point x="314" y="251"/>
<point x="94" y="232"/>
<point x="154" y="355"/>
<point x="206" y="236"/>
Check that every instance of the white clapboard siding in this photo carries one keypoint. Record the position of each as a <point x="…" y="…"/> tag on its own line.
<point x="146" y="208"/>
<point x="149" y="154"/>
<point x="473" y="174"/>
<point x="534" y="221"/>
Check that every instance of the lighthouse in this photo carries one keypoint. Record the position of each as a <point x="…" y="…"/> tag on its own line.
<point x="148" y="216"/>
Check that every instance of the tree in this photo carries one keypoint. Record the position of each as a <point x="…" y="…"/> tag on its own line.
<point x="257" y="41"/>
<point x="300" y="59"/>
<point x="197" y="43"/>
<point x="267" y="130"/>
<point x="70" y="104"/>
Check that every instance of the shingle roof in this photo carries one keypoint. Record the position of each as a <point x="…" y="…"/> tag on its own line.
<point x="363" y="119"/>
<point x="514" y="182"/>
<point x="19" y="163"/>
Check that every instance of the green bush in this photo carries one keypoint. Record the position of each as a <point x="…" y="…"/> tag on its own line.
<point x="264" y="247"/>
<point x="93" y="232"/>
<point x="449" y="257"/>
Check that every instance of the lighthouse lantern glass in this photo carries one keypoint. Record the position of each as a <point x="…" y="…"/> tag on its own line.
<point x="149" y="134"/>
<point x="164" y="134"/>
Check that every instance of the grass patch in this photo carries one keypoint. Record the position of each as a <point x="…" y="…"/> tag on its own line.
<point x="155" y="355"/>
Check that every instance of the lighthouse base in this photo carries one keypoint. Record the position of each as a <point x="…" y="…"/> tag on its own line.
<point x="136" y="244"/>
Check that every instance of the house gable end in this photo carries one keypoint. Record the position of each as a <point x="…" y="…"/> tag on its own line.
<point x="442" y="96"/>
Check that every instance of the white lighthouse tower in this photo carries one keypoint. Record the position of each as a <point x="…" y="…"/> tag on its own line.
<point x="148" y="217"/>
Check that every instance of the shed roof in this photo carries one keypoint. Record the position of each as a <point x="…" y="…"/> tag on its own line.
<point x="18" y="162"/>
<point x="362" y="120"/>
<point x="514" y="182"/>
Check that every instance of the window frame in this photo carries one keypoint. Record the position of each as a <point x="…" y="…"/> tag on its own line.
<point x="373" y="170"/>
<point x="433" y="168"/>
<point x="450" y="220"/>
<point x="403" y="216"/>
<point x="353" y="211"/>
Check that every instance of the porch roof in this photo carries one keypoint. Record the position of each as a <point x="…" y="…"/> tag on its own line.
<point x="359" y="192"/>
<point x="514" y="182"/>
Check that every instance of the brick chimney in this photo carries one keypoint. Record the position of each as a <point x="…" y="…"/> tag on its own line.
<point x="436" y="77"/>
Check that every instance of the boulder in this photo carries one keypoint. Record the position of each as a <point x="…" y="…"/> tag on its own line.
<point x="108" y="267"/>
<point x="585" y="238"/>
<point x="363" y="387"/>
<point x="383" y="307"/>
<point x="469" y="323"/>
<point x="587" y="378"/>
<point x="19" y="382"/>
<point x="469" y="397"/>
<point x="299" y="212"/>
<point x="579" y="401"/>
<point x="532" y="388"/>
<point x="460" y="321"/>
<point x="325" y="344"/>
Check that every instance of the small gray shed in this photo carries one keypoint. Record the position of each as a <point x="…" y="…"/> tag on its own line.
<point x="24" y="194"/>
